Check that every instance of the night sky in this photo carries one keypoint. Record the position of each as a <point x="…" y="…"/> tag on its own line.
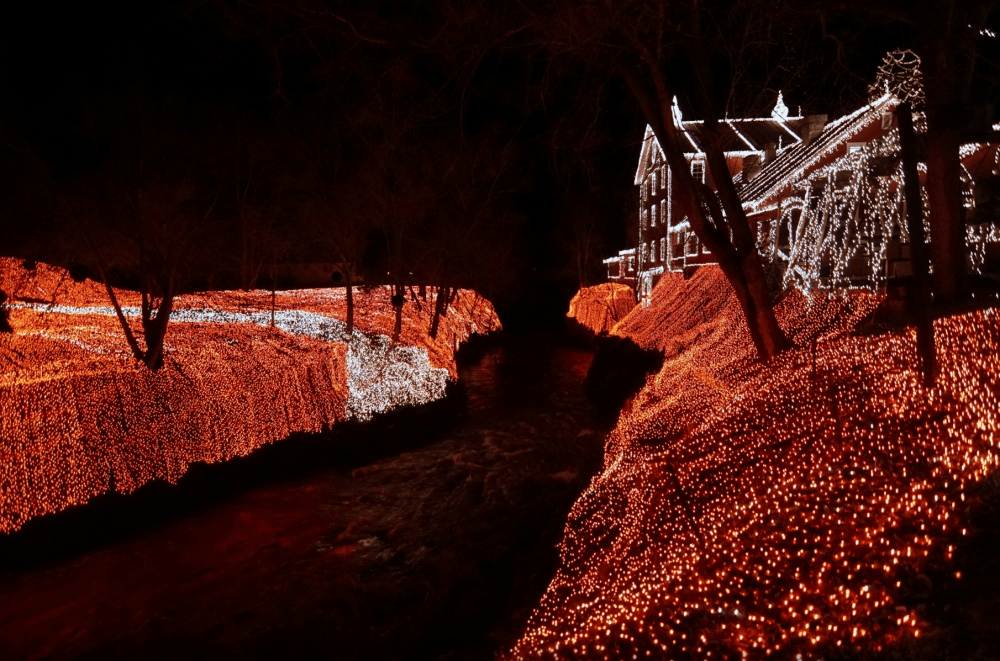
<point x="370" y="75"/>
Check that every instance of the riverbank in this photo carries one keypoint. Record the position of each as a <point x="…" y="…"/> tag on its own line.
<point x="79" y="418"/>
<point x="797" y="507"/>
<point x="437" y="551"/>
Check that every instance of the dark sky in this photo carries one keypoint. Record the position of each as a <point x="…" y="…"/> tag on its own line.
<point x="574" y="128"/>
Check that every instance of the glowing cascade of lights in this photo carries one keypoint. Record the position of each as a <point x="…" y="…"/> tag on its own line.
<point x="79" y="417"/>
<point x="841" y="229"/>
<point x="381" y="376"/>
<point x="752" y="509"/>
<point x="600" y="307"/>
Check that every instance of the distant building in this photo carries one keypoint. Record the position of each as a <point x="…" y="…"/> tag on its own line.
<point x="622" y="267"/>
<point x="825" y="200"/>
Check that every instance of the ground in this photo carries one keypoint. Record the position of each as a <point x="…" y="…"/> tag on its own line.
<point x="786" y="508"/>
<point x="81" y="417"/>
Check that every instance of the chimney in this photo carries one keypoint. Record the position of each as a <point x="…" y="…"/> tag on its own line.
<point x="751" y="167"/>
<point x="770" y="151"/>
<point x="812" y="126"/>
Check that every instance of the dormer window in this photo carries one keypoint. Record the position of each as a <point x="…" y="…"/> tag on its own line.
<point x="854" y="147"/>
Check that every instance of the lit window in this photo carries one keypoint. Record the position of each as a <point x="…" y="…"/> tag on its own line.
<point x="698" y="171"/>
<point x="853" y="147"/>
<point x="653" y="220"/>
<point x="663" y="248"/>
<point x="652" y="184"/>
<point x="663" y="177"/>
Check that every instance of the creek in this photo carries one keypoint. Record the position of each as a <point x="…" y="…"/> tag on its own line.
<point x="427" y="534"/>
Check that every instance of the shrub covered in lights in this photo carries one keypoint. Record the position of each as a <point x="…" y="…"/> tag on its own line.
<point x="600" y="307"/>
<point x="750" y="509"/>
<point x="79" y="416"/>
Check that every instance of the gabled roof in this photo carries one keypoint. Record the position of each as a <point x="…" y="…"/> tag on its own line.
<point x="740" y="137"/>
<point x="649" y="143"/>
<point x="748" y="136"/>
<point x="796" y="162"/>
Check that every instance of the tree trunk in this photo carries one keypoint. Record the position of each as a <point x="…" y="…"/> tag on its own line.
<point x="944" y="189"/>
<point x="274" y="296"/>
<point x="350" y="301"/>
<point x="4" y="323"/>
<point x="439" y="304"/>
<point x="772" y="338"/>
<point x="156" y="330"/>
<point x="918" y="248"/>
<point x="769" y="339"/>
<point x="944" y="196"/>
<point x="133" y="345"/>
<point x="398" y="299"/>
<point x="742" y="268"/>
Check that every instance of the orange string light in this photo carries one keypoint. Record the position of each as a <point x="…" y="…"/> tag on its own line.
<point x="78" y="416"/>
<point x="600" y="307"/>
<point x="750" y="509"/>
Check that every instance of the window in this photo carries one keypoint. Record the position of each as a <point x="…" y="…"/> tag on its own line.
<point x="653" y="211"/>
<point x="645" y="218"/>
<point x="652" y="252"/>
<point x="652" y="183"/>
<point x="698" y="171"/>
<point x="663" y="249"/>
<point x="691" y="245"/>
<point x="663" y="177"/>
<point x="853" y="147"/>
<point x="663" y="211"/>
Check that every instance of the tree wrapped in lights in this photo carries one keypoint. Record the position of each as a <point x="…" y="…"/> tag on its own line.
<point x="899" y="74"/>
<point x="851" y="214"/>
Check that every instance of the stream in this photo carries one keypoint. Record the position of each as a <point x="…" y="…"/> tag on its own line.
<point x="428" y="538"/>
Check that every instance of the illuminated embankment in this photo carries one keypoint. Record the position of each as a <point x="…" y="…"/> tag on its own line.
<point x="782" y="508"/>
<point x="78" y="416"/>
<point x="600" y="307"/>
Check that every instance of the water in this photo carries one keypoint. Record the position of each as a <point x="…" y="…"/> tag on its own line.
<point x="437" y="551"/>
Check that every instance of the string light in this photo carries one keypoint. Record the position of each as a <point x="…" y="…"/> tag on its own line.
<point x="750" y="509"/>
<point x="600" y="307"/>
<point x="839" y="203"/>
<point x="78" y="416"/>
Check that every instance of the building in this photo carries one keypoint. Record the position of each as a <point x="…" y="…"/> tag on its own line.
<point x="824" y="198"/>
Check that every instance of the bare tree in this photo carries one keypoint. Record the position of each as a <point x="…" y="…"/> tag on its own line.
<point x="651" y="45"/>
<point x="147" y="212"/>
